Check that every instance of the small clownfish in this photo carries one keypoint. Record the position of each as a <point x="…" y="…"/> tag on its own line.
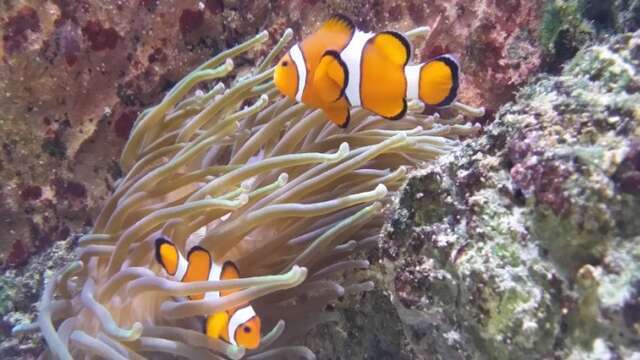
<point x="240" y="325"/>
<point x="339" y="67"/>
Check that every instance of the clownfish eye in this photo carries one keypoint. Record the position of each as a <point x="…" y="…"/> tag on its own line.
<point x="285" y="63"/>
<point x="246" y="329"/>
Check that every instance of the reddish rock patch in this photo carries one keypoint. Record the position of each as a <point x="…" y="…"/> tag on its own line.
<point x="216" y="7"/>
<point x="17" y="27"/>
<point x="18" y="255"/>
<point x="31" y="193"/>
<point x="68" y="189"/>
<point x="190" y="20"/>
<point x="99" y="37"/>
<point x="124" y="123"/>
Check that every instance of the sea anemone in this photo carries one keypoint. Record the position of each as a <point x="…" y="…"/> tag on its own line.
<point x="251" y="177"/>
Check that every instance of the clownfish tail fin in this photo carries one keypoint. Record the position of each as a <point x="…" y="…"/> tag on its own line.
<point x="438" y="81"/>
<point x="331" y="76"/>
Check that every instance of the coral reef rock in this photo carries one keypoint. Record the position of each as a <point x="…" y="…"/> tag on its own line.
<point x="524" y="243"/>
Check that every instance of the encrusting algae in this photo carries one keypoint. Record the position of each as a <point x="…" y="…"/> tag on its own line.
<point x="271" y="186"/>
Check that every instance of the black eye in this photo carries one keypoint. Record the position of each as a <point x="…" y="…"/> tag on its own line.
<point x="246" y="329"/>
<point x="285" y="63"/>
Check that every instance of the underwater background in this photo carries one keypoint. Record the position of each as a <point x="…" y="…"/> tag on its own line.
<point x="522" y="242"/>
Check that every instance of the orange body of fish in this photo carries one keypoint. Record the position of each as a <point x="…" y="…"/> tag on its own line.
<point x="238" y="326"/>
<point x="339" y="67"/>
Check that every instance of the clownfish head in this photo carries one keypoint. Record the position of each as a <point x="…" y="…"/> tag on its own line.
<point x="247" y="335"/>
<point x="286" y="76"/>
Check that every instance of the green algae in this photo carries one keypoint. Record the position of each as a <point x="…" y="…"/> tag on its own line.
<point x="7" y="295"/>
<point x="563" y="25"/>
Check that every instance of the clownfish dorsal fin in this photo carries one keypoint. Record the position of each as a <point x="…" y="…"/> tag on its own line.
<point x="394" y="46"/>
<point x="199" y="260"/>
<point x="167" y="255"/>
<point x="338" y="112"/>
<point x="331" y="76"/>
<point x="439" y="81"/>
<point x="229" y="272"/>
<point x="338" y="23"/>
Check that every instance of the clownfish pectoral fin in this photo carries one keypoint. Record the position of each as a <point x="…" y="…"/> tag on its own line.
<point x="439" y="81"/>
<point x="167" y="255"/>
<point x="394" y="46"/>
<point x="389" y="109"/>
<point x="338" y="112"/>
<point x="198" y="270"/>
<point x="229" y="272"/>
<point x="216" y="325"/>
<point x="331" y="76"/>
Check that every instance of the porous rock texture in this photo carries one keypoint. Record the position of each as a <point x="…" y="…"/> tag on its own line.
<point x="525" y="242"/>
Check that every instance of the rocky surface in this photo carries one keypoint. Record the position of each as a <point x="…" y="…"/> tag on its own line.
<point x="20" y="290"/>
<point x="524" y="243"/>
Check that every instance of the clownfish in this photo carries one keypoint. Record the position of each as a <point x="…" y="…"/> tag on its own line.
<point x="339" y="67"/>
<point x="238" y="326"/>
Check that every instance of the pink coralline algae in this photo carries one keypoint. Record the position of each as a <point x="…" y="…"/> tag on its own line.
<point x="190" y="20"/>
<point x="99" y="37"/>
<point x="17" y="27"/>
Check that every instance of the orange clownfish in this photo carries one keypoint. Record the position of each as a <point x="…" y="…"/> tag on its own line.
<point x="339" y="67"/>
<point x="239" y="326"/>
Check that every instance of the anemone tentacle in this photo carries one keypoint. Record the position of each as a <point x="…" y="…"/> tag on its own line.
<point x="253" y="178"/>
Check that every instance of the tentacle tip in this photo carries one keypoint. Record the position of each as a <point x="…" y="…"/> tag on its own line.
<point x="228" y="65"/>
<point x="263" y="36"/>
<point x="381" y="190"/>
<point x="417" y="130"/>
<point x="135" y="332"/>
<point x="401" y="136"/>
<point x="421" y="30"/>
<point x="235" y="352"/>
<point x="343" y="150"/>
<point x="288" y="33"/>
<point x="298" y="274"/>
<point x="243" y="199"/>
<point x="283" y="179"/>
